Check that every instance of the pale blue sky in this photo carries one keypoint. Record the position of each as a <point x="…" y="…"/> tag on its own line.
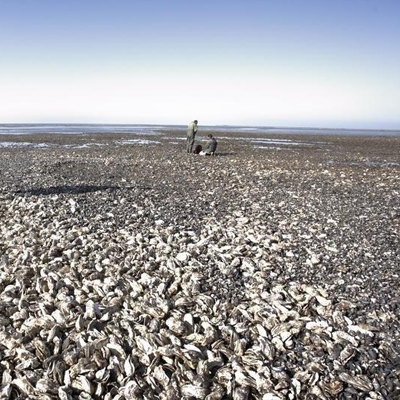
<point x="320" y="63"/>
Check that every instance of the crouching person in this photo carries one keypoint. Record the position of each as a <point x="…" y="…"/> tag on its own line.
<point x="211" y="146"/>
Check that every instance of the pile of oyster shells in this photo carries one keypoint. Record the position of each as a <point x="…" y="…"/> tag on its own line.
<point x="145" y="281"/>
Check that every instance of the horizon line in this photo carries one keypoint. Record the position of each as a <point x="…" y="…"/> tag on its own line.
<point x="208" y="125"/>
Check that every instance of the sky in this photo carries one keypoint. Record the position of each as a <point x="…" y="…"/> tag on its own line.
<point x="289" y="63"/>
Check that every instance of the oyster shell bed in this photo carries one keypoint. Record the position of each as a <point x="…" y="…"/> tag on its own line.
<point x="144" y="272"/>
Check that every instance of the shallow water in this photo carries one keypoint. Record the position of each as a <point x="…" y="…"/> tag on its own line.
<point x="140" y="129"/>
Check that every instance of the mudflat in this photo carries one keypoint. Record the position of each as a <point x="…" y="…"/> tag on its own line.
<point x="269" y="269"/>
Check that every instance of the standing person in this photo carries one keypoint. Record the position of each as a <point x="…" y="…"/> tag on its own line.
<point x="211" y="146"/>
<point x="191" y="133"/>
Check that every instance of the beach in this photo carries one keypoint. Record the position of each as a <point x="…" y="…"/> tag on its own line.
<point x="131" y="268"/>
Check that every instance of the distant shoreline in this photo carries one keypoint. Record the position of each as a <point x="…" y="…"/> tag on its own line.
<point x="145" y="129"/>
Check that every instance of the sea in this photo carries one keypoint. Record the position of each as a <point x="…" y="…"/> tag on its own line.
<point x="144" y="129"/>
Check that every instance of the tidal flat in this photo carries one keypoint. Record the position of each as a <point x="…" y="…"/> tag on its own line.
<point x="130" y="269"/>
